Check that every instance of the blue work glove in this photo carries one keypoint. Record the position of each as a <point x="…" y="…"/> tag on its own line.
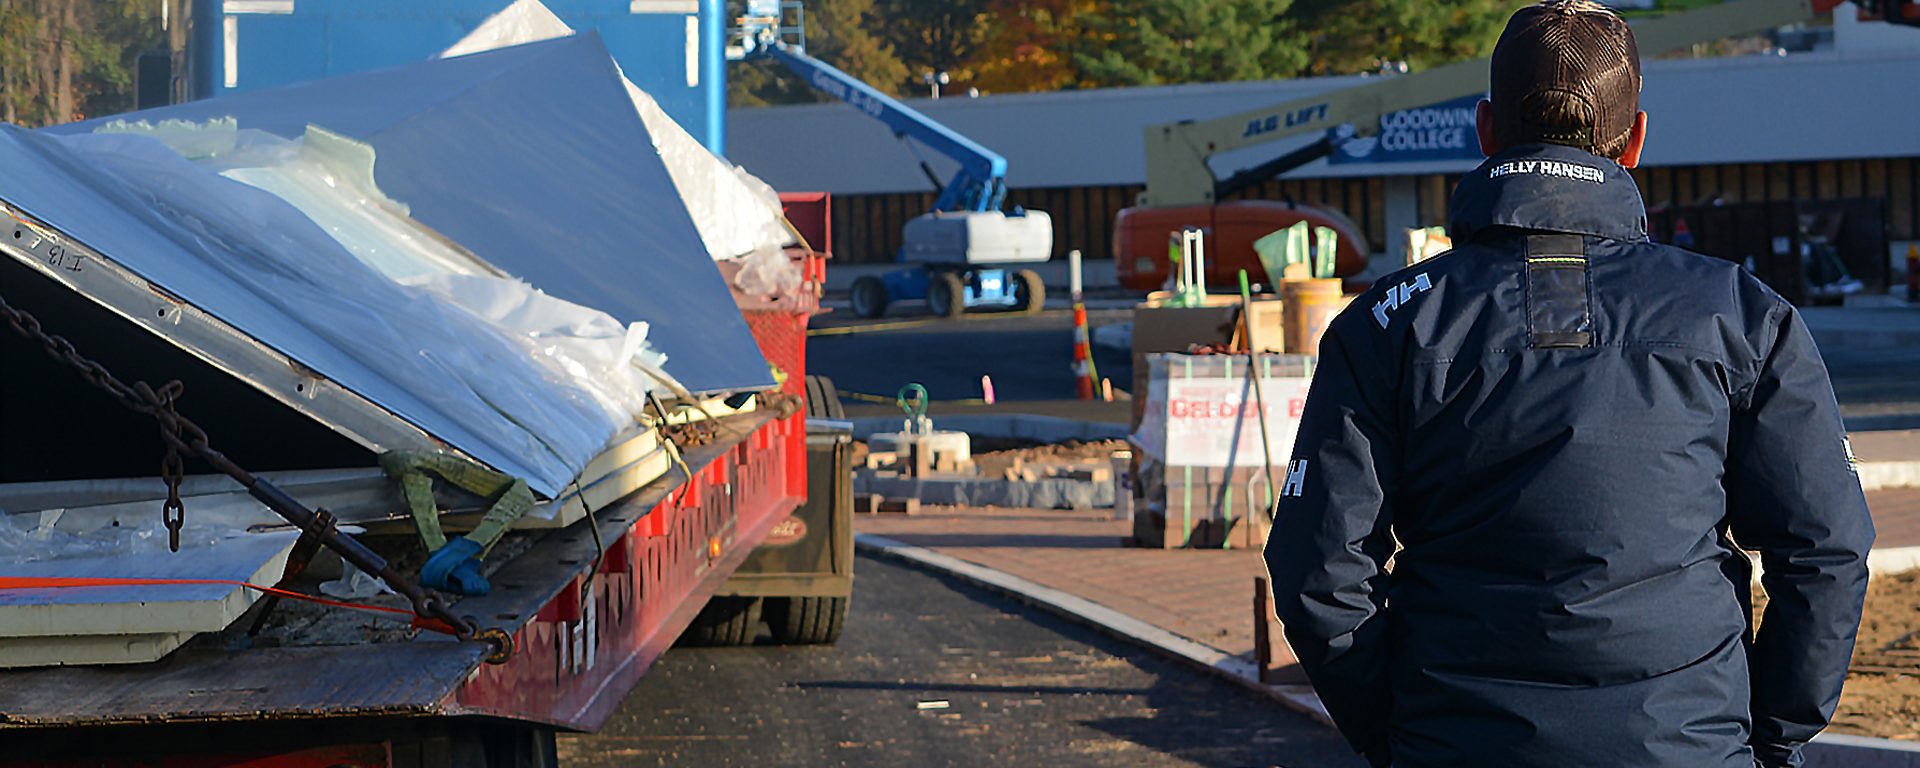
<point x="455" y="568"/>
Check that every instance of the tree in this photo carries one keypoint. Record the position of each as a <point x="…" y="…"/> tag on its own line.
<point x="1348" y="36"/>
<point x="936" y="35"/>
<point x="1160" y="42"/>
<point x="839" y="33"/>
<point x="63" y="60"/>
<point x="1028" y="45"/>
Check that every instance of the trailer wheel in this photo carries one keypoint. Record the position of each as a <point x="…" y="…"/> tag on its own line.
<point x="726" y="620"/>
<point x="823" y="399"/>
<point x="947" y="295"/>
<point x="806" y="620"/>
<point x="869" y="297"/>
<point x="1029" y="292"/>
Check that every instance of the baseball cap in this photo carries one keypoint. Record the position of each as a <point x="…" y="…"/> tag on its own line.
<point x="1566" y="72"/>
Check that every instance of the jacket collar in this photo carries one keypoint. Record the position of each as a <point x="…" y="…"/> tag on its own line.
<point x="1546" y="187"/>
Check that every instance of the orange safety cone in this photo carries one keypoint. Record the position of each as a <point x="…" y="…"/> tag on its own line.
<point x="1082" y="354"/>
<point x="1083" y="370"/>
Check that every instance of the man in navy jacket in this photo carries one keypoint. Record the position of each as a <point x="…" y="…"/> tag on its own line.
<point x="1570" y="433"/>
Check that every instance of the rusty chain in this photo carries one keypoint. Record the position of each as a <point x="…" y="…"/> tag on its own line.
<point x="182" y="437"/>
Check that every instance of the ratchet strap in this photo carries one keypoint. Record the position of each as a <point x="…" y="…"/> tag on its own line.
<point x="73" y="582"/>
<point x="511" y="497"/>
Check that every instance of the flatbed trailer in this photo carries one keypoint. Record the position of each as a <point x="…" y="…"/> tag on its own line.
<point x="667" y="548"/>
<point x="588" y="606"/>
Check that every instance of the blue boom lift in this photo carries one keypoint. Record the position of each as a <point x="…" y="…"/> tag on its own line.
<point x="959" y="255"/>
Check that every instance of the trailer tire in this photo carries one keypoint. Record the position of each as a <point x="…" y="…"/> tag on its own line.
<point x="806" y="620"/>
<point x="947" y="295"/>
<point x="726" y="620"/>
<point x="1029" y="292"/>
<point x="869" y="297"/>
<point x="823" y="399"/>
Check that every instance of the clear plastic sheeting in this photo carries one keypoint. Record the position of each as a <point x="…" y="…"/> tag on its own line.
<point x="255" y="262"/>
<point x="526" y="156"/>
<point x="737" y="214"/>
<point x="589" y="347"/>
<point x="56" y="534"/>
<point x="768" y="273"/>
<point x="330" y="179"/>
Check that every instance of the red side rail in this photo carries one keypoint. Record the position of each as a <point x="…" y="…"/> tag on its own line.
<point x="578" y="658"/>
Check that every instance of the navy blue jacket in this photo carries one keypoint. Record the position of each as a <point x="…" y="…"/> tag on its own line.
<point x="1566" y="428"/>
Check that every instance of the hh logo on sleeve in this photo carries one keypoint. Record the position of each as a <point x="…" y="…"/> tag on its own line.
<point x="1398" y="296"/>
<point x="1296" y="484"/>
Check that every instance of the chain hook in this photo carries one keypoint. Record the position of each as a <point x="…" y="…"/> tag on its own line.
<point x="173" y="469"/>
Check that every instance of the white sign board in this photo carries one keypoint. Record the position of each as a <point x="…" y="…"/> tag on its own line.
<point x="1213" y="420"/>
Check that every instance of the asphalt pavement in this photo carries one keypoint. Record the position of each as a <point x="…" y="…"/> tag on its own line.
<point x="1029" y="357"/>
<point x="1872" y="355"/>
<point x="932" y="672"/>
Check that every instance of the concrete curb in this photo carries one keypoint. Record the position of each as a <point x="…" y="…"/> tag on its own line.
<point x="1889" y="560"/>
<point x="1834" y="750"/>
<point x="1880" y="475"/>
<point x="1078" y="609"/>
<point x="1828" y="750"/>
<point x="1047" y="493"/>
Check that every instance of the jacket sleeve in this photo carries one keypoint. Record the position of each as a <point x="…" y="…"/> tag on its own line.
<point x="1794" y="495"/>
<point x="1328" y="549"/>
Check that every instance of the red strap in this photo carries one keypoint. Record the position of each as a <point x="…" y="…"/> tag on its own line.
<point x="68" y="582"/>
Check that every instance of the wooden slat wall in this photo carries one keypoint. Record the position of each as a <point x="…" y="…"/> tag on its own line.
<point x="867" y="227"/>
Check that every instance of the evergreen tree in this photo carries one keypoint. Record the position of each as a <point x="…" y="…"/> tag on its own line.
<point x="1348" y="36"/>
<point x="1158" y="42"/>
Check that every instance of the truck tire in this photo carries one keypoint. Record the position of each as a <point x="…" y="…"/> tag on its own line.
<point x="823" y="399"/>
<point x="806" y="620"/>
<point x="725" y="621"/>
<point x="869" y="297"/>
<point x="947" y="295"/>
<point x="1029" y="292"/>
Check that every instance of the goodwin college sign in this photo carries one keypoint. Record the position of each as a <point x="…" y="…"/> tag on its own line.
<point x="1439" y="132"/>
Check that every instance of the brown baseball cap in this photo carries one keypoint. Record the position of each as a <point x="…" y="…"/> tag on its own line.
<point x="1566" y="72"/>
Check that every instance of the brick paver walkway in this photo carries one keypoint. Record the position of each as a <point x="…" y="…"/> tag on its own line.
<point x="1203" y="595"/>
<point x="1896" y="516"/>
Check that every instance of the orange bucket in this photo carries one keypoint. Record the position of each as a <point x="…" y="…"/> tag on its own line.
<point x="1308" y="305"/>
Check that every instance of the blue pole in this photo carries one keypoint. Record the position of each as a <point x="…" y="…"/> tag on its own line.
<point x="207" y="57"/>
<point x="713" y="75"/>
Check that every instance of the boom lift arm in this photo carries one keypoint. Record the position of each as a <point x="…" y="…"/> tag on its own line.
<point x="981" y="183"/>
<point x="1177" y="153"/>
<point x="961" y="248"/>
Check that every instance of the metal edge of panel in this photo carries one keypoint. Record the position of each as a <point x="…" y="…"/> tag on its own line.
<point x="112" y="286"/>
<point x="626" y="466"/>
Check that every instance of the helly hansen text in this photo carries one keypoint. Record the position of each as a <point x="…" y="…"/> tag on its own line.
<point x="1557" y="168"/>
